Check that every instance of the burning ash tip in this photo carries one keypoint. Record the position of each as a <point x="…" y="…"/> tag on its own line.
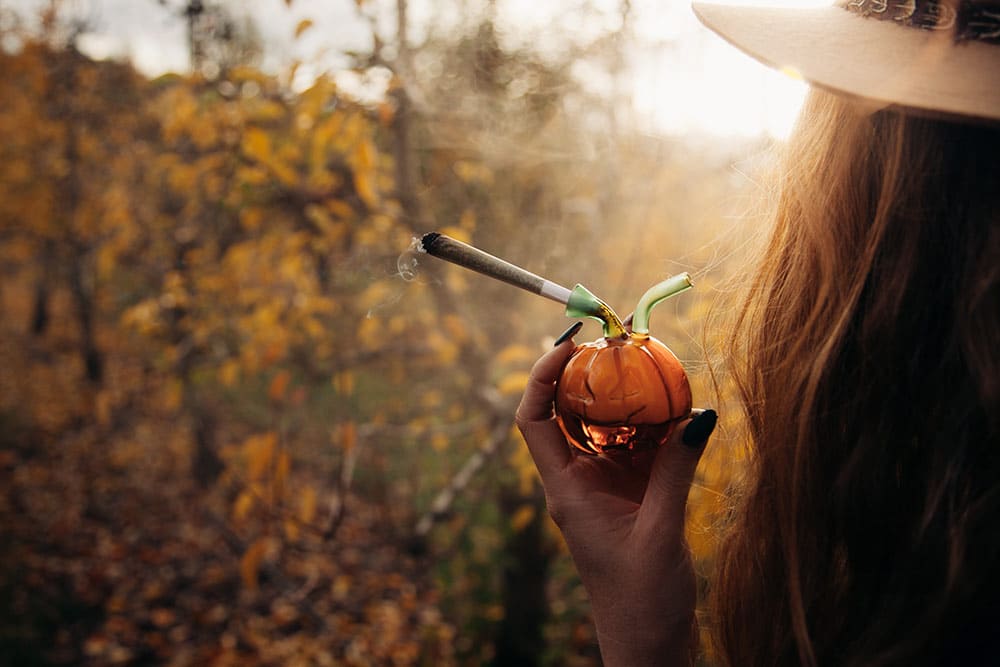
<point x="427" y="241"/>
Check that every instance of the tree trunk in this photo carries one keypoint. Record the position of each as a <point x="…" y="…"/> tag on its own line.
<point x="206" y="466"/>
<point x="402" y="123"/>
<point x="81" y="284"/>
<point x="83" y="299"/>
<point x="40" y="308"/>
<point x="520" y="640"/>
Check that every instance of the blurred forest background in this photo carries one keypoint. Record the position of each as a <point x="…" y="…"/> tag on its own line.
<point x="238" y="425"/>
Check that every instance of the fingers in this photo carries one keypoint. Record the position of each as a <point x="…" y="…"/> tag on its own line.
<point x="535" y="417"/>
<point x="569" y="333"/>
<point x="536" y="403"/>
<point x="673" y="471"/>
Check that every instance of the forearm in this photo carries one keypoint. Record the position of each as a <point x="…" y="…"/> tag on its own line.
<point x="624" y="526"/>
<point x="654" y="645"/>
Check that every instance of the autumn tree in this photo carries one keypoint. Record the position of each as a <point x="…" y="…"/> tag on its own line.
<point x="272" y="410"/>
<point x="213" y="225"/>
<point x="64" y="191"/>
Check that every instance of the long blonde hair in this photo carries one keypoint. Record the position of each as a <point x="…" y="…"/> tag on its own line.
<point x="867" y="354"/>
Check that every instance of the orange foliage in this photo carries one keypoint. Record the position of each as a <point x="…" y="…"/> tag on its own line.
<point x="222" y="411"/>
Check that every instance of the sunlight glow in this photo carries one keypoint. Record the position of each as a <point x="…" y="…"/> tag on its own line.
<point x="684" y="79"/>
<point x="719" y="91"/>
<point x="700" y="84"/>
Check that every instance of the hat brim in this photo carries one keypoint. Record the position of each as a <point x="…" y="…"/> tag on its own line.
<point x="886" y="63"/>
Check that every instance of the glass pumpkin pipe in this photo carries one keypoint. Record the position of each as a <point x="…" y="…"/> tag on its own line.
<point x="625" y="391"/>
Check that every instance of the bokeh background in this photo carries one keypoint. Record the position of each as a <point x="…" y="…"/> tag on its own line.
<point x="241" y="422"/>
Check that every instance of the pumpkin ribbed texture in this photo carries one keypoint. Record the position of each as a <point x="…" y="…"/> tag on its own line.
<point x="622" y="394"/>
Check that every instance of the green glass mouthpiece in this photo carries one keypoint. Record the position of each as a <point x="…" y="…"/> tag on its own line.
<point x="583" y="303"/>
<point x="653" y="296"/>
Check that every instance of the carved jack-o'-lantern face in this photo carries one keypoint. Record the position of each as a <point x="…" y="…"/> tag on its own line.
<point x="625" y="393"/>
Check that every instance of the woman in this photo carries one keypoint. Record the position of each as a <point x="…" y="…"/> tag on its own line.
<point x="867" y="352"/>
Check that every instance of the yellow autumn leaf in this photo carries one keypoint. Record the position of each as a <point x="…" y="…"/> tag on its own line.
<point x="365" y="186"/>
<point x="439" y="442"/>
<point x="340" y="209"/>
<point x="173" y="395"/>
<point x="229" y="373"/>
<point x="348" y="436"/>
<point x="343" y="383"/>
<point x="341" y="586"/>
<point x="279" y="386"/>
<point x="106" y="261"/>
<point x="524" y="515"/>
<point x="250" y="563"/>
<point x="259" y="453"/>
<point x="285" y="174"/>
<point x="514" y="353"/>
<point x="308" y="503"/>
<point x="324" y="132"/>
<point x="446" y="350"/>
<point x="369" y="332"/>
<point x="522" y="464"/>
<point x="276" y="349"/>
<point x="182" y="179"/>
<point x="317" y="215"/>
<point x="513" y="383"/>
<point x="303" y="25"/>
<point x="418" y="426"/>
<point x="291" y="530"/>
<point x="455" y="327"/>
<point x="266" y="112"/>
<point x="257" y="145"/>
<point x="365" y="155"/>
<point x="316" y="331"/>
<point x="252" y="175"/>
<point x="432" y="399"/>
<point x="398" y="324"/>
<point x="386" y="114"/>
<point x="242" y="506"/>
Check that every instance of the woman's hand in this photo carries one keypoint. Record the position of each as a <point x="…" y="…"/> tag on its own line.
<point x="623" y="521"/>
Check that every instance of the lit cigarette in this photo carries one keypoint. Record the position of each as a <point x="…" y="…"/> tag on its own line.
<point x="463" y="254"/>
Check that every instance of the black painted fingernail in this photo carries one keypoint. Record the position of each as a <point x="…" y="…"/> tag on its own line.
<point x="569" y="333"/>
<point x="697" y="431"/>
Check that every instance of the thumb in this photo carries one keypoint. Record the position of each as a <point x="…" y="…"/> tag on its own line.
<point x="673" y="471"/>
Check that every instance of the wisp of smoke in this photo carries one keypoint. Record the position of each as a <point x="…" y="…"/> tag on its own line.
<point x="407" y="264"/>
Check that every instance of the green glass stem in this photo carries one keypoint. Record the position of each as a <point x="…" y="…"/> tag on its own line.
<point x="653" y="296"/>
<point x="583" y="303"/>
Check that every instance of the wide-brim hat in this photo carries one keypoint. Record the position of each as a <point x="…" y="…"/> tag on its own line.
<point x="930" y="55"/>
